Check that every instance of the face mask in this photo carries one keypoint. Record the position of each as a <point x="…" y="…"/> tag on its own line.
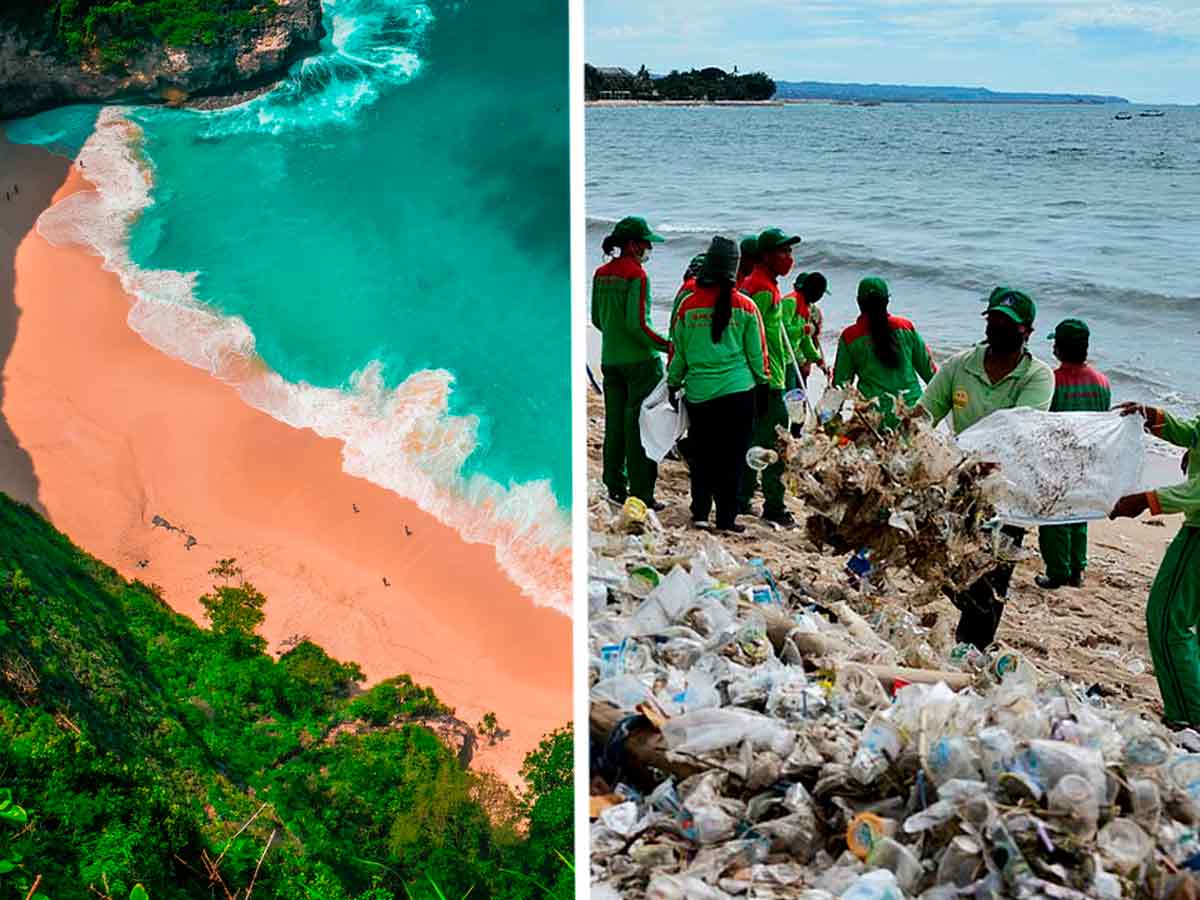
<point x="644" y="256"/>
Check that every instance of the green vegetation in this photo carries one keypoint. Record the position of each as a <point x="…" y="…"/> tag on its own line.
<point x="143" y="749"/>
<point x="114" y="30"/>
<point x="696" y="84"/>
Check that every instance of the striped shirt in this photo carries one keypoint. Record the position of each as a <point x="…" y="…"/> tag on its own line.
<point x="1080" y="388"/>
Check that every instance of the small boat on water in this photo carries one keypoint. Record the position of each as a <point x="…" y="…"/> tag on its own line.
<point x="1123" y="116"/>
<point x="1152" y="114"/>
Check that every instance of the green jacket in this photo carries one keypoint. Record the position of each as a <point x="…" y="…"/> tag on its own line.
<point x="801" y="326"/>
<point x="621" y="310"/>
<point x="962" y="389"/>
<point x="735" y="363"/>
<point x="1185" y="496"/>
<point x="760" y="287"/>
<point x="856" y="359"/>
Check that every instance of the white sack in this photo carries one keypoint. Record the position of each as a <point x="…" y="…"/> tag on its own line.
<point x="660" y="425"/>
<point x="1061" y="467"/>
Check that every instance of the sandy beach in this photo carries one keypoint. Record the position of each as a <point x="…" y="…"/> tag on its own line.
<point x="160" y="470"/>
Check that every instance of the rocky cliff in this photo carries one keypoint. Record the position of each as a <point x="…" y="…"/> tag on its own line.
<point x="33" y="78"/>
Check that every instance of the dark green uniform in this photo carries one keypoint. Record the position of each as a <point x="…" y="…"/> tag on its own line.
<point x="1173" y="611"/>
<point x="760" y="286"/>
<point x="1077" y="388"/>
<point x="629" y="359"/>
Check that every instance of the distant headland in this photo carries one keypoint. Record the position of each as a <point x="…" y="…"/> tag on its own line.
<point x="714" y="85"/>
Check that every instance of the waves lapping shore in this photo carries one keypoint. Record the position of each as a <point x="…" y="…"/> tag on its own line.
<point x="403" y="439"/>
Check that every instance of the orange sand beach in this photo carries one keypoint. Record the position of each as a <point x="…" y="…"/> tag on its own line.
<point x="121" y="436"/>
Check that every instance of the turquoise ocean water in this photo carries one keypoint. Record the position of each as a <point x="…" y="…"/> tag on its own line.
<point x="388" y="231"/>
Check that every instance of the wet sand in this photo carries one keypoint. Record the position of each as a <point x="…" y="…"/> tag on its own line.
<point x="121" y="437"/>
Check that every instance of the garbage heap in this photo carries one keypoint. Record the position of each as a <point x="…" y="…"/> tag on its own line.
<point x="907" y="494"/>
<point x="758" y="738"/>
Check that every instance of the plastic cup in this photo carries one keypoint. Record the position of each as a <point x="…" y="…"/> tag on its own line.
<point x="758" y="458"/>
<point x="1123" y="844"/>
<point x="634" y="510"/>
<point x="795" y="402"/>
<point x="866" y="830"/>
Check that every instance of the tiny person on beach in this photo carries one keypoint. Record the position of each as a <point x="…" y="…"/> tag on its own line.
<point x="719" y="361"/>
<point x="802" y="319"/>
<point x="1000" y="373"/>
<point x="1173" y="608"/>
<point x="629" y="358"/>
<point x="884" y="354"/>
<point x="1077" y="388"/>
<point x="773" y="260"/>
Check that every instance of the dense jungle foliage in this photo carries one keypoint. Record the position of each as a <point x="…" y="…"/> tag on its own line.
<point x="137" y="748"/>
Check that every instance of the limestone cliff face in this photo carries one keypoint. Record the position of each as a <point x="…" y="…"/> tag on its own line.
<point x="33" y="79"/>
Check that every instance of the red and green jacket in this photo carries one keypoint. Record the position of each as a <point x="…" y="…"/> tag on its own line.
<point x="856" y="359"/>
<point x="802" y="327"/>
<point x="1080" y="388"/>
<point x="621" y="310"/>
<point x="1184" y="497"/>
<point x="689" y="285"/>
<point x="736" y="363"/>
<point x="760" y="286"/>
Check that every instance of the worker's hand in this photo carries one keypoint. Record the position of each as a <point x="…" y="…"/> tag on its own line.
<point x="824" y="367"/>
<point x="1129" y="408"/>
<point x="1130" y="506"/>
<point x="673" y="397"/>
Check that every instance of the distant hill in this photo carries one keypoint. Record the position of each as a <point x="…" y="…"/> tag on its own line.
<point x="907" y="93"/>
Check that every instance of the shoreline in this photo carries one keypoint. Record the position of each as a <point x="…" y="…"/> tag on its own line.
<point x="122" y="437"/>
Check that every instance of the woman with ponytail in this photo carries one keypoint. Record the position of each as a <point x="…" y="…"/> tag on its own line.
<point x="720" y="362"/>
<point x="629" y="358"/>
<point x="883" y="352"/>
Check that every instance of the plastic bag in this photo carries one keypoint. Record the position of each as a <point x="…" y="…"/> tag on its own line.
<point x="660" y="425"/>
<point x="1057" y="468"/>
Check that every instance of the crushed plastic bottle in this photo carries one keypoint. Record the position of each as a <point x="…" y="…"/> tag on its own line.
<point x="877" y="885"/>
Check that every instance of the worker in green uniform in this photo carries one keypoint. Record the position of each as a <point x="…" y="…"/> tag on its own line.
<point x="884" y="353"/>
<point x="802" y="320"/>
<point x="1077" y="388"/>
<point x="1000" y="373"/>
<point x="629" y="358"/>
<point x="1173" y="610"/>
<point x="719" y="360"/>
<point x="774" y="250"/>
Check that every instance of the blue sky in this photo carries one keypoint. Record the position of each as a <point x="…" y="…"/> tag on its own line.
<point x="1148" y="52"/>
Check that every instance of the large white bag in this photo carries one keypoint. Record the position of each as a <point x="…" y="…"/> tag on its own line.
<point x="660" y="425"/>
<point x="1059" y="467"/>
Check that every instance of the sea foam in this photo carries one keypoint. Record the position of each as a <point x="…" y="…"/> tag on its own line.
<point x="403" y="438"/>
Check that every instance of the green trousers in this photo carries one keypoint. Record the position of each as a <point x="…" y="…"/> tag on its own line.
<point x="772" y="476"/>
<point x="1064" y="550"/>
<point x="625" y="387"/>
<point x="1172" y="614"/>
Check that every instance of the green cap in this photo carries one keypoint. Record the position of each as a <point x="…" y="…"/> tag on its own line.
<point x="812" y="285"/>
<point x="774" y="239"/>
<point x="1071" y="330"/>
<point x="720" y="261"/>
<point x="749" y="245"/>
<point x="873" y="288"/>
<point x="634" y="228"/>
<point x="1017" y="305"/>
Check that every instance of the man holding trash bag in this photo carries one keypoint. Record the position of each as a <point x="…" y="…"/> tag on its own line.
<point x="1000" y="373"/>
<point x="1173" y="608"/>
<point x="1077" y="388"/>
<point x="774" y="260"/>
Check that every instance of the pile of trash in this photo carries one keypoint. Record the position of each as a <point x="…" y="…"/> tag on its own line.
<point x="908" y="492"/>
<point x="753" y="738"/>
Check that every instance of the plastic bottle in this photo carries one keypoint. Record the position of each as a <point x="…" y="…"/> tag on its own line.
<point x="796" y="402"/>
<point x="877" y="885"/>
<point x="1075" y="797"/>
<point x="951" y="757"/>
<point x="1146" y="803"/>
<point x="878" y="747"/>
<point x="758" y="458"/>
<point x="890" y="854"/>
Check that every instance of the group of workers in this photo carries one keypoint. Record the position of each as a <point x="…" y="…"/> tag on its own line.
<point x="737" y="343"/>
